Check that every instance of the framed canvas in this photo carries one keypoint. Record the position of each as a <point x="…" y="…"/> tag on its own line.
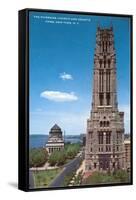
<point x="75" y="99"/>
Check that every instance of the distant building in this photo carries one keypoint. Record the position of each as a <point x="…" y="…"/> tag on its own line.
<point x="55" y="140"/>
<point x="127" y="145"/>
<point x="83" y="139"/>
<point x="126" y="136"/>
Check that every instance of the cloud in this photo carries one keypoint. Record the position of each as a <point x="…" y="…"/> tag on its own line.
<point x="65" y="76"/>
<point x="58" y="96"/>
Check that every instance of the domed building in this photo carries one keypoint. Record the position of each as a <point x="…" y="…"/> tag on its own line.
<point x="55" y="140"/>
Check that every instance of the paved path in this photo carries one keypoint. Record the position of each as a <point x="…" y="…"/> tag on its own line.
<point x="68" y="169"/>
<point x="81" y="168"/>
<point x="31" y="179"/>
<point x="45" y="167"/>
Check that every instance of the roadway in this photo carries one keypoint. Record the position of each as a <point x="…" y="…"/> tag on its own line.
<point x="67" y="170"/>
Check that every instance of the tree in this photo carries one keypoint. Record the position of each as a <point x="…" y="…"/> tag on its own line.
<point x="53" y="159"/>
<point x="61" y="158"/>
<point x="57" y="158"/>
<point x="37" y="157"/>
<point x="72" y="150"/>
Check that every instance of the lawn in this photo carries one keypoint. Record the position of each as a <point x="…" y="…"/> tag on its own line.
<point x="120" y="176"/>
<point x="67" y="179"/>
<point x="44" y="178"/>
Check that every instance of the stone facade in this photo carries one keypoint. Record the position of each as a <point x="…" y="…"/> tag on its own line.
<point x="55" y="140"/>
<point x="127" y="145"/>
<point x="105" y="127"/>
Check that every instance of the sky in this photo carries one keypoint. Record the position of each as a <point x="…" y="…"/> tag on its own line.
<point x="61" y="56"/>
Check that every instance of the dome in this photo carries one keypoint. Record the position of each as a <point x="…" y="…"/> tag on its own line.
<point x="55" y="130"/>
<point x="56" y="127"/>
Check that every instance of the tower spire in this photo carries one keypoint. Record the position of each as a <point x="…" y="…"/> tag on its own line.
<point x="104" y="89"/>
<point x="105" y="127"/>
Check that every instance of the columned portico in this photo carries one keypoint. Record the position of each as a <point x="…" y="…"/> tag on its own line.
<point x="55" y="140"/>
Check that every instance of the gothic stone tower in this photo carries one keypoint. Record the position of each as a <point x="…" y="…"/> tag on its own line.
<point x="105" y="127"/>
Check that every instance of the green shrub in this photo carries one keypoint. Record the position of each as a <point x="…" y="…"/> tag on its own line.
<point x="119" y="176"/>
<point x="37" y="157"/>
<point x="67" y="179"/>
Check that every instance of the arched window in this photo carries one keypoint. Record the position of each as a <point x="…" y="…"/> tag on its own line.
<point x="95" y="165"/>
<point x="100" y="137"/>
<point x="106" y="46"/>
<point x="90" y="134"/>
<point x="108" y="137"/>
<point x="108" y="98"/>
<point x="100" y="62"/>
<point x="109" y="62"/>
<point x="101" y="98"/>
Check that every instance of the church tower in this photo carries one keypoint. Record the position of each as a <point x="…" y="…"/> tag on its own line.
<point x="105" y="127"/>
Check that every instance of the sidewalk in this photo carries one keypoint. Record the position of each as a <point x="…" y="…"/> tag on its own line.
<point x="45" y="167"/>
<point x="81" y="168"/>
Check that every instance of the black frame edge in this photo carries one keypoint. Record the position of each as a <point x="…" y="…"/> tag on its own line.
<point x="76" y="12"/>
<point x="22" y="102"/>
<point x="23" y="139"/>
<point x="131" y="93"/>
